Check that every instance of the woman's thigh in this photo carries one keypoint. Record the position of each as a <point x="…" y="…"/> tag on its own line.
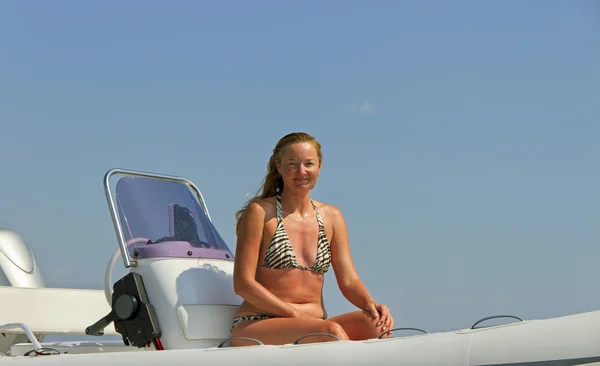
<point x="278" y="331"/>
<point x="360" y="325"/>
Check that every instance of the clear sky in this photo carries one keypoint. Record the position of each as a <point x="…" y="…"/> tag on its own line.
<point x="460" y="138"/>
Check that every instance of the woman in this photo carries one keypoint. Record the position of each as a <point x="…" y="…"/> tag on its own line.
<point x="286" y="243"/>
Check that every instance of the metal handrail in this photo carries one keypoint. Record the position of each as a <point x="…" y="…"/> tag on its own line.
<point x="34" y="341"/>
<point x="494" y="317"/>
<point x="395" y="329"/>
<point x="240" y="338"/>
<point x="297" y="341"/>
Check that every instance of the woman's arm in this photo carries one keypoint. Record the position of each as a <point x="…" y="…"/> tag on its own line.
<point x="246" y="259"/>
<point x="350" y="284"/>
<point x="347" y="278"/>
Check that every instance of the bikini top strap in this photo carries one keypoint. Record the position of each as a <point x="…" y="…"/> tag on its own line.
<point x="279" y="209"/>
<point x="319" y="219"/>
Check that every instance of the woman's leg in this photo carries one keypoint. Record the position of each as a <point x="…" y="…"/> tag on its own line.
<point x="360" y="325"/>
<point x="278" y="331"/>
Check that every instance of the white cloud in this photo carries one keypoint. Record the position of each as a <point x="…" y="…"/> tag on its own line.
<point x="365" y="108"/>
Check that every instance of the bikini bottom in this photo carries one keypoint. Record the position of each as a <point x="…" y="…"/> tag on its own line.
<point x="238" y="319"/>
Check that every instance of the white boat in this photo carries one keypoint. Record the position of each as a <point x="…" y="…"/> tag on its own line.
<point x="176" y="303"/>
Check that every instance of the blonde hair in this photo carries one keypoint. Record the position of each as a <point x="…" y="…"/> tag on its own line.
<point x="272" y="183"/>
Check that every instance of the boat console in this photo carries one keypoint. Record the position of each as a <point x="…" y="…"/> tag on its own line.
<point x="179" y="289"/>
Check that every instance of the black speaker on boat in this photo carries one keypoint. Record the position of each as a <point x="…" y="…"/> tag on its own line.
<point x="132" y="313"/>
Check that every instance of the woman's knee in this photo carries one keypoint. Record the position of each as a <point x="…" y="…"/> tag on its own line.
<point x="325" y="327"/>
<point x="335" y="329"/>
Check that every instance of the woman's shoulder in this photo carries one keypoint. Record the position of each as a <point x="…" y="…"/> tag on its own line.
<point x="328" y="210"/>
<point x="262" y="205"/>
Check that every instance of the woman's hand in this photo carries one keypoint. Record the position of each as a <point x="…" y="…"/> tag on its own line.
<point x="382" y="314"/>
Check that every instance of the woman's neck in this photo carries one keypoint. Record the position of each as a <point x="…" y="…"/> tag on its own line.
<point x="299" y="204"/>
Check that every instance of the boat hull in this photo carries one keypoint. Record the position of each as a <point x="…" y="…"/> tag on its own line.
<point x="569" y="340"/>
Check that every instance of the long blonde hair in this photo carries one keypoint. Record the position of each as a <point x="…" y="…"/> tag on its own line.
<point x="273" y="183"/>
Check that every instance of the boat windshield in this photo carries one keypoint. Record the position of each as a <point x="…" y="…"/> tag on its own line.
<point x="161" y="218"/>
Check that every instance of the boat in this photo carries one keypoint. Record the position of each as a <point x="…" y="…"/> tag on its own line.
<point x="175" y="304"/>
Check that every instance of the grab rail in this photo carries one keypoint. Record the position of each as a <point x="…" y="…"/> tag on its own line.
<point x="36" y="344"/>
<point x="316" y="335"/>
<point x="493" y="317"/>
<point x="262" y="344"/>
<point x="239" y="338"/>
<point x="391" y="330"/>
<point x="37" y="347"/>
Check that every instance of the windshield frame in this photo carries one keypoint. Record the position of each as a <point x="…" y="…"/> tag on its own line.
<point x="174" y="248"/>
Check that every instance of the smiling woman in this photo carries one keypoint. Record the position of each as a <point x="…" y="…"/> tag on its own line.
<point x="286" y="243"/>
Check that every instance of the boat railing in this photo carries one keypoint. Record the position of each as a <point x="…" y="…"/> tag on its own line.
<point x="474" y="326"/>
<point x="297" y="341"/>
<point x="222" y="344"/>
<point x="12" y="326"/>
<point x="37" y="347"/>
<point x="395" y="329"/>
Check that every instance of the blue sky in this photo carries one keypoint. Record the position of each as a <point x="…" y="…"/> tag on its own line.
<point x="460" y="138"/>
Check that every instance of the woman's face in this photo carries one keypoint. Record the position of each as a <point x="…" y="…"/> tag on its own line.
<point x="300" y="166"/>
